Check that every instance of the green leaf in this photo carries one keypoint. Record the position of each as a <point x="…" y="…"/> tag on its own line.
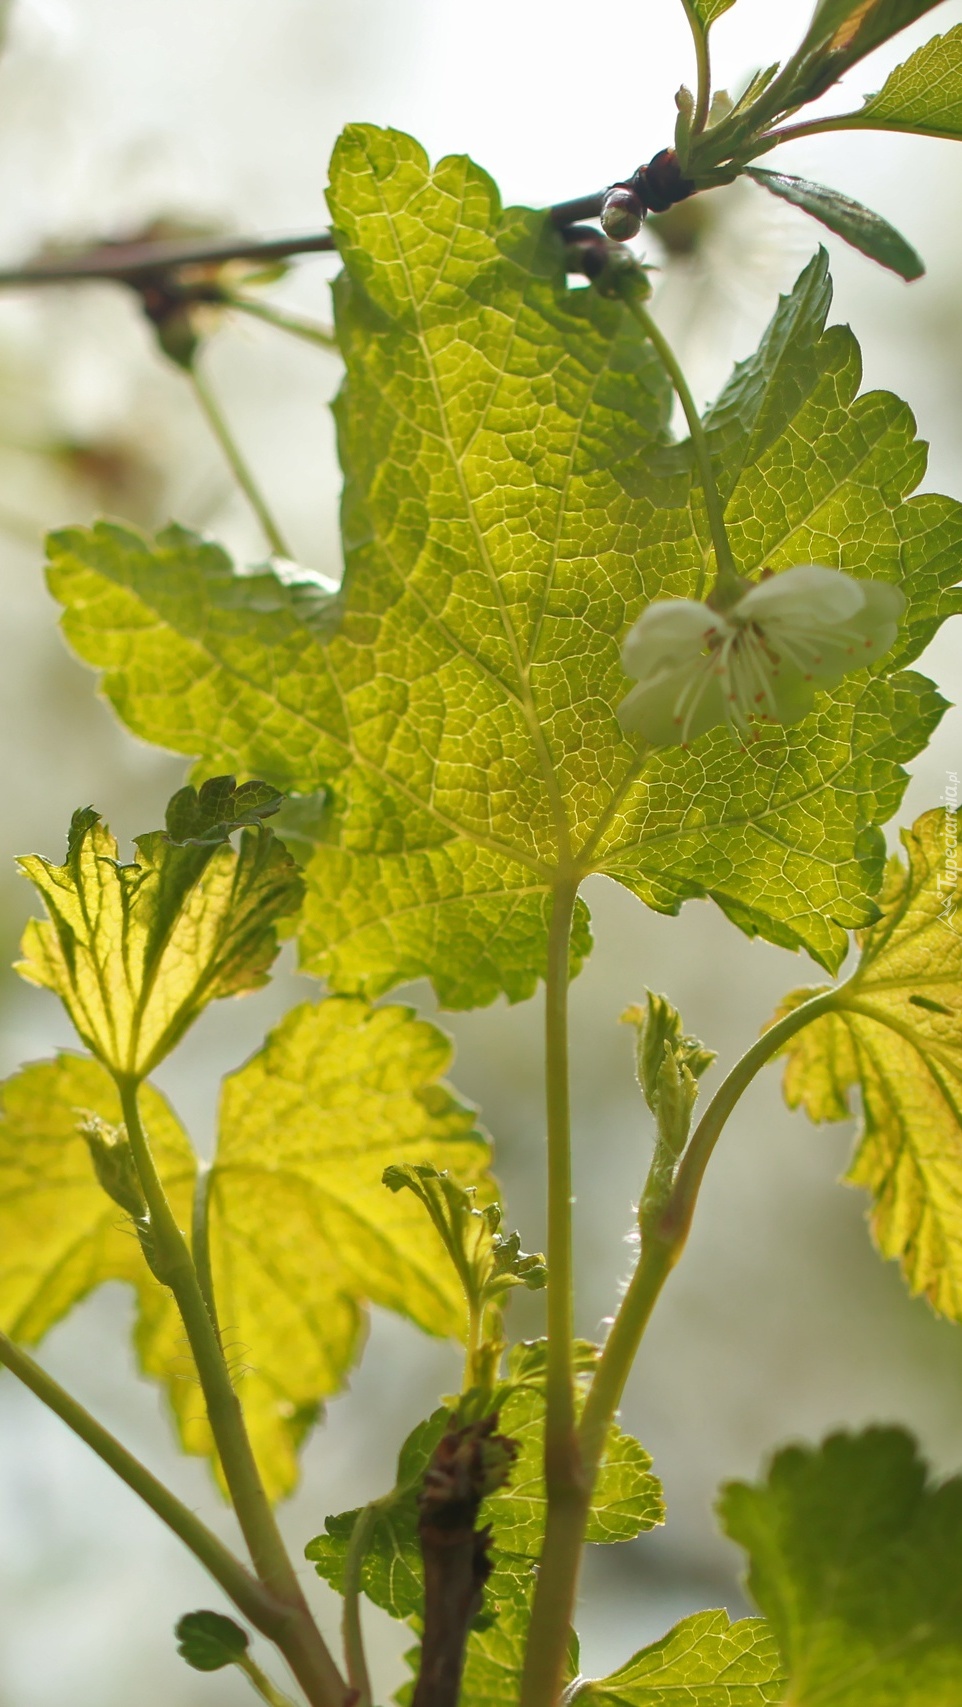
<point x="706" y="11"/>
<point x="705" y="1661"/>
<point x="767" y="390"/>
<point x="849" y="29"/>
<point x="626" y="1501"/>
<point x="866" y="231"/>
<point x="923" y="95"/>
<point x="302" y="1235"/>
<point x="302" y="1232"/>
<point x="208" y="1641"/>
<point x="895" y="1032"/>
<point x="504" y="525"/>
<point x="135" y="952"/>
<point x="855" y="1560"/>
<point x="60" y="1234"/>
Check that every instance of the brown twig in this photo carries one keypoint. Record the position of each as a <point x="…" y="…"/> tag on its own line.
<point x="138" y="261"/>
<point x="467" y="1464"/>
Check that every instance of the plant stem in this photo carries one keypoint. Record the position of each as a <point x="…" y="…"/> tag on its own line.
<point x="565" y="1483"/>
<point x="354" y="1655"/>
<point x="664" y="1244"/>
<point x="267" y="1690"/>
<point x="728" y="576"/>
<point x="703" y="61"/>
<point x="249" y="1596"/>
<point x="306" y="329"/>
<point x="300" y="1641"/>
<point x="234" y="457"/>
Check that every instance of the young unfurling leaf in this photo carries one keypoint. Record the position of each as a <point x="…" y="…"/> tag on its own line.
<point x="854" y="1558"/>
<point x="488" y="1263"/>
<point x="895" y="1033"/>
<point x="136" y="951"/>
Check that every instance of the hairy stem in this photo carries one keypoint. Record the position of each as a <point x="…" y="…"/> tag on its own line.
<point x="235" y="458"/>
<point x="250" y="1597"/>
<point x="284" y="322"/>
<point x="664" y="1243"/>
<point x="728" y="576"/>
<point x="354" y="1656"/>
<point x="703" y="62"/>
<point x="267" y="1690"/>
<point x="300" y="1641"/>
<point x="566" y="1489"/>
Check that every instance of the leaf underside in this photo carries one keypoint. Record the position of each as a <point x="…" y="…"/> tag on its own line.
<point x="505" y="520"/>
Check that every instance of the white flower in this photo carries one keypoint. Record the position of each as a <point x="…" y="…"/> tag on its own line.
<point x="760" y="660"/>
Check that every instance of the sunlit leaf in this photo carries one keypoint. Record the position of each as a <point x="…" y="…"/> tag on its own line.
<point x="136" y="951"/>
<point x="895" y="1033"/>
<point x="302" y="1233"/>
<point x="505" y="521"/>
<point x="855" y="1560"/>
<point x="923" y="95"/>
<point x="705" y="1661"/>
<point x="866" y="231"/>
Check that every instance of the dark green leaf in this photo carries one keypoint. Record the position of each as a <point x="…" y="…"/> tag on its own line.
<point x="866" y="231"/>
<point x="767" y="390"/>
<point x="855" y="1560"/>
<point x="208" y="1641"/>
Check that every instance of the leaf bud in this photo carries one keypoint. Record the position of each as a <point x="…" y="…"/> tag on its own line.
<point x="622" y="213"/>
<point x="114" y="1165"/>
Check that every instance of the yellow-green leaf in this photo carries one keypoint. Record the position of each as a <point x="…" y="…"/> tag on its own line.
<point x="60" y="1234"/>
<point x="302" y="1234"/>
<point x="136" y="951"/>
<point x="302" y="1231"/>
<point x="895" y="1033"/>
<point x="705" y="1661"/>
<point x="922" y="95"/>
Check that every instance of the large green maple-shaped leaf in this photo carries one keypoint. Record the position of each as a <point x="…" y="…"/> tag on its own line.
<point x="301" y="1233"/>
<point x="705" y="1661"/>
<point x="136" y="951"/>
<point x="895" y="1033"/>
<point x="923" y="95"/>
<point x="855" y="1560"/>
<point x="505" y="522"/>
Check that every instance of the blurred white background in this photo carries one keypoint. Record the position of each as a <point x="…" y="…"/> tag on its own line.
<point x="781" y="1321"/>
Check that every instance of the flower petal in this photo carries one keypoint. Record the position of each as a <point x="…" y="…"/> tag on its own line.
<point x="669" y="632"/>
